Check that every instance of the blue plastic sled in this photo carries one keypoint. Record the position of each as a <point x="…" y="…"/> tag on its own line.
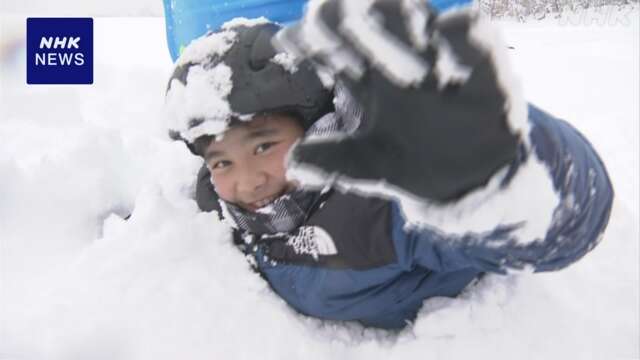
<point x="189" y="19"/>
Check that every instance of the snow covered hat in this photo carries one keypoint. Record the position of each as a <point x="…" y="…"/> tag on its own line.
<point x="235" y="73"/>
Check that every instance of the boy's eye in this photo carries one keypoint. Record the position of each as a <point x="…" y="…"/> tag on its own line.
<point x="265" y="146"/>
<point x="220" y="164"/>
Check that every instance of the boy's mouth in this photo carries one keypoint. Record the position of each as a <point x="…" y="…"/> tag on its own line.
<point x="255" y="205"/>
<point x="264" y="202"/>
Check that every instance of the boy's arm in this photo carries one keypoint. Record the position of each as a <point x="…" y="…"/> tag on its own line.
<point x="497" y="185"/>
<point x="579" y="220"/>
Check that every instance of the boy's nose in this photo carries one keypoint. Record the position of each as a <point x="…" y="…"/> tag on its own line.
<point x="251" y="182"/>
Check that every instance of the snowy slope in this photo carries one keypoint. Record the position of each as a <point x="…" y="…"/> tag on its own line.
<point x="78" y="282"/>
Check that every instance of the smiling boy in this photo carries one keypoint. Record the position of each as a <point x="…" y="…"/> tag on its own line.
<point x="247" y="165"/>
<point x="340" y="255"/>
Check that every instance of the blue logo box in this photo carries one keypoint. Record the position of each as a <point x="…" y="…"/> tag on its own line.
<point x="59" y="51"/>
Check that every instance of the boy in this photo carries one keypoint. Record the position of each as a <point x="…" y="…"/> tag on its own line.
<point x="448" y="139"/>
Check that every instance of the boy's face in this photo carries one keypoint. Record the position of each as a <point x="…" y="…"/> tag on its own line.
<point x="247" y="164"/>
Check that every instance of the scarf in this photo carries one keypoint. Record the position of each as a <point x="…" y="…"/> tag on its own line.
<point x="283" y="215"/>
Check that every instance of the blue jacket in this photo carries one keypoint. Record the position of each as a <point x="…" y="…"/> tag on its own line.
<point x="427" y="265"/>
<point x="383" y="272"/>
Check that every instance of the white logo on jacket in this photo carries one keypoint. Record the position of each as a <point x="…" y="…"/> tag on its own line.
<point x="312" y="240"/>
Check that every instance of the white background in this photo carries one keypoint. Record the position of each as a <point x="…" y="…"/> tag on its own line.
<point x="77" y="282"/>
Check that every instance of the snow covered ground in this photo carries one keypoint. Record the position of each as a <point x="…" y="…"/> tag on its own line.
<point x="78" y="282"/>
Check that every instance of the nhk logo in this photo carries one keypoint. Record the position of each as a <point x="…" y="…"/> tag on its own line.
<point x="57" y="58"/>
<point x="59" y="51"/>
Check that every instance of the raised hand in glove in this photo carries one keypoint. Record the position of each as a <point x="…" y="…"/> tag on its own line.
<point x="439" y="121"/>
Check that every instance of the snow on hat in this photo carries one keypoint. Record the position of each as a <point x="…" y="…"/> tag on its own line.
<point x="236" y="73"/>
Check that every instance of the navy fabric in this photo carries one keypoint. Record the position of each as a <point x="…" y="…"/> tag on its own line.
<point x="429" y="264"/>
<point x="387" y="297"/>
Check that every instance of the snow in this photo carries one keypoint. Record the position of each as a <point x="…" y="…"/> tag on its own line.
<point x="490" y="205"/>
<point x="199" y="106"/>
<point x="448" y="68"/>
<point x="287" y="61"/>
<point x="417" y="17"/>
<point x="476" y="213"/>
<point x="203" y="97"/>
<point x="491" y="38"/>
<point x="78" y="282"/>
<point x="326" y="45"/>
<point x="205" y="46"/>
<point x="242" y="21"/>
<point x="382" y="49"/>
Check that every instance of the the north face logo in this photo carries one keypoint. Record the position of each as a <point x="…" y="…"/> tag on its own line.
<point x="314" y="241"/>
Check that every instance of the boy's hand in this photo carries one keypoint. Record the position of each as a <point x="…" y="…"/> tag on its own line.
<point x="438" y="122"/>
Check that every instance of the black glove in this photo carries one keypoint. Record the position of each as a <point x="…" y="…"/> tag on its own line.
<point x="436" y="119"/>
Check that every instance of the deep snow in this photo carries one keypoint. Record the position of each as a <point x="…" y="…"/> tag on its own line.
<point x="78" y="282"/>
